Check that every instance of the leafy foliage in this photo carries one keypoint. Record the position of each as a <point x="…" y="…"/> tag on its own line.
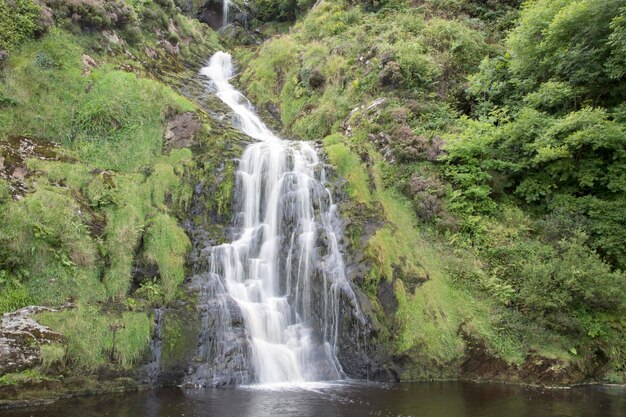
<point x="527" y="182"/>
<point x="18" y="21"/>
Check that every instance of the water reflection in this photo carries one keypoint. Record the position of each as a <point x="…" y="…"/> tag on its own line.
<point x="445" y="399"/>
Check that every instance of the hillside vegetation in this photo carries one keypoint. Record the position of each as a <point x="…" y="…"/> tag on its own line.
<point x="91" y="196"/>
<point x="490" y="137"/>
<point x="480" y="146"/>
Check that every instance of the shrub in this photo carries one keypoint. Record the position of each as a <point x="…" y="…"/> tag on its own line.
<point x="18" y="21"/>
<point x="93" y="13"/>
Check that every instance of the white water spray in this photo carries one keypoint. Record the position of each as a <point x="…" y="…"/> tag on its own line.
<point x="284" y="269"/>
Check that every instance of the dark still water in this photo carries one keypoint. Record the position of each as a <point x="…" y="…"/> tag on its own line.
<point x="445" y="399"/>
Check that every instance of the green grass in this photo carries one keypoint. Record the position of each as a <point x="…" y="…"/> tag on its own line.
<point x="51" y="355"/>
<point x="14" y="297"/>
<point x="46" y="235"/>
<point x="96" y="340"/>
<point x="350" y="167"/>
<point x="166" y="245"/>
<point x="76" y="237"/>
<point x="275" y="60"/>
<point x="25" y="377"/>
<point x="110" y="119"/>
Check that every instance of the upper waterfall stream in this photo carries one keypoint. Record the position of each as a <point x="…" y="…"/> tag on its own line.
<point x="283" y="270"/>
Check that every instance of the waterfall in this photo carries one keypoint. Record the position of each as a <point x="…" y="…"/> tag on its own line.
<point x="283" y="271"/>
<point x="153" y="369"/>
<point x="225" y="11"/>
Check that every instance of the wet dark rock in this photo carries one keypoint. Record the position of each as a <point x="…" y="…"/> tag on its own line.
<point x="360" y="354"/>
<point x="223" y="352"/>
<point x="211" y="12"/>
<point x="239" y="35"/>
<point x="173" y="344"/>
<point x="274" y="111"/>
<point x="387" y="297"/>
<point x="391" y="75"/>
<point x="316" y="79"/>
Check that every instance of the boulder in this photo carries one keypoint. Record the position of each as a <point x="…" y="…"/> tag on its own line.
<point x="181" y="130"/>
<point x="20" y="338"/>
<point x="88" y="64"/>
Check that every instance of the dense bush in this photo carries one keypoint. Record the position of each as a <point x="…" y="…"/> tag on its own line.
<point x="280" y="10"/>
<point x="549" y="132"/>
<point x="93" y="13"/>
<point x="19" y="20"/>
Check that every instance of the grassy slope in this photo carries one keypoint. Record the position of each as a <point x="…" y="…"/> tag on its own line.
<point x="109" y="199"/>
<point x="447" y="283"/>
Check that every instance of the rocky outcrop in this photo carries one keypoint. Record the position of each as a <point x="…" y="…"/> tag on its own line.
<point x="13" y="155"/>
<point x="20" y="338"/>
<point x="223" y="354"/>
<point x="181" y="131"/>
<point x="88" y="64"/>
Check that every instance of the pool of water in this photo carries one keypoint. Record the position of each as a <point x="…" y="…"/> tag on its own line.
<point x="436" y="399"/>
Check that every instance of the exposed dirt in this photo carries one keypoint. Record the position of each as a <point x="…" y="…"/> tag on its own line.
<point x="480" y="364"/>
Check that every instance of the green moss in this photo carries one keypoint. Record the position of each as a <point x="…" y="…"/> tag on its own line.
<point x="27" y="376"/>
<point x="222" y="200"/>
<point x="180" y="337"/>
<point x="350" y="167"/>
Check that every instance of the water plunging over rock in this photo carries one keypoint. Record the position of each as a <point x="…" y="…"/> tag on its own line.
<point x="225" y="11"/>
<point x="273" y="299"/>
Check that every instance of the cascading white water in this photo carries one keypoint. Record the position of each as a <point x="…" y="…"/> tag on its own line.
<point x="225" y="11"/>
<point x="284" y="269"/>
